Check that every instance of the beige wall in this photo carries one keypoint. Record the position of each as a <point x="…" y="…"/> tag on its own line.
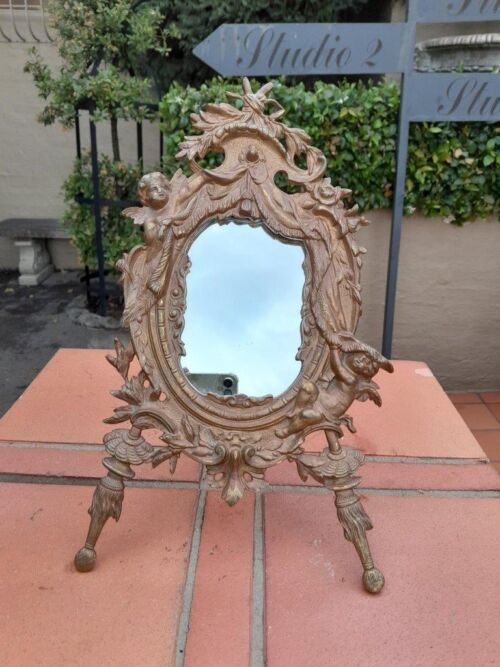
<point x="448" y="299"/>
<point x="35" y="160"/>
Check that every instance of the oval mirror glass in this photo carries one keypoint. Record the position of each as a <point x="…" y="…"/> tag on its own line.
<point x="243" y="314"/>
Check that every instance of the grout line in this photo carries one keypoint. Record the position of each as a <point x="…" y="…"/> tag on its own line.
<point x="19" y="478"/>
<point x="426" y="460"/>
<point x="162" y="484"/>
<point x="435" y="493"/>
<point x="370" y="491"/>
<point x="22" y="478"/>
<point x="372" y="458"/>
<point x="481" y="399"/>
<point x="74" y="446"/>
<point x="474" y="429"/>
<point x="481" y="430"/>
<point x="257" y="640"/>
<point x="187" y="596"/>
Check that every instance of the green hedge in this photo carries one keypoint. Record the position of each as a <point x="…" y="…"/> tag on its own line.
<point x="119" y="234"/>
<point x="452" y="167"/>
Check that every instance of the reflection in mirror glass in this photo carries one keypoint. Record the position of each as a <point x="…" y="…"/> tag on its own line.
<point x="244" y="297"/>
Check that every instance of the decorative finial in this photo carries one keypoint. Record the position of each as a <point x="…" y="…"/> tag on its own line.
<point x="257" y="101"/>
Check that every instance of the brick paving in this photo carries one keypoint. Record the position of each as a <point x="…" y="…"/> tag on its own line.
<point x="481" y="413"/>
<point x="183" y="580"/>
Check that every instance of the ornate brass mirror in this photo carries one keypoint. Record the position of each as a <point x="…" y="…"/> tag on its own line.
<point x="237" y="437"/>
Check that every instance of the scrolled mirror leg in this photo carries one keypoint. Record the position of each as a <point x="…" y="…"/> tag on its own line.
<point x="106" y="502"/>
<point x="355" y="522"/>
<point x="334" y="468"/>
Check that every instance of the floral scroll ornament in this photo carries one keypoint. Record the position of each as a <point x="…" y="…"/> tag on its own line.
<point x="237" y="438"/>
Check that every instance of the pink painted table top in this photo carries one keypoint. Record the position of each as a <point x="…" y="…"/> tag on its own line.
<point x="70" y="397"/>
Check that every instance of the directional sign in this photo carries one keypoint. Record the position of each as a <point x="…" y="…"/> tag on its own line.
<point x="257" y="49"/>
<point x="446" y="11"/>
<point x="454" y="97"/>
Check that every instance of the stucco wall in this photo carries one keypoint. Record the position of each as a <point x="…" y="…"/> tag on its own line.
<point x="448" y="299"/>
<point x="35" y="159"/>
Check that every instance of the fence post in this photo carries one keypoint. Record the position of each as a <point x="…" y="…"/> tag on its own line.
<point x="97" y="218"/>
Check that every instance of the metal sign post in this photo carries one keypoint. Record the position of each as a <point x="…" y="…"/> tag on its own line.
<point x="368" y="48"/>
<point x="399" y="187"/>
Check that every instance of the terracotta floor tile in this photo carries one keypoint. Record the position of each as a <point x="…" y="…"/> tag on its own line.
<point x="315" y="442"/>
<point x="122" y="614"/>
<point x="380" y="475"/>
<point x="490" y="442"/>
<point x="33" y="460"/>
<point x="286" y="473"/>
<point x="463" y="397"/>
<point x="496" y="466"/>
<point x="477" y="416"/>
<point x="494" y="408"/>
<point x="219" y="627"/>
<point x="429" y="476"/>
<point x="490" y="396"/>
<point x="440" y="559"/>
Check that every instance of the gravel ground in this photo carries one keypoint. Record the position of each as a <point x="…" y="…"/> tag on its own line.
<point x="34" y="323"/>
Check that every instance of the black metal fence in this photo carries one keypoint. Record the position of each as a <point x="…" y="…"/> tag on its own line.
<point x="97" y="202"/>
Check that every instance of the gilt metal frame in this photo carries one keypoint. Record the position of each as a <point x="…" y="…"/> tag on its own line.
<point x="237" y="438"/>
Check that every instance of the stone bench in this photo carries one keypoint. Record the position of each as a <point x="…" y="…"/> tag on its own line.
<point x="30" y="236"/>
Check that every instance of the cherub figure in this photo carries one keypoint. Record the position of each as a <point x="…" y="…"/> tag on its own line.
<point x="353" y="365"/>
<point x="150" y="260"/>
<point x="153" y="191"/>
<point x="355" y="369"/>
<point x="306" y="411"/>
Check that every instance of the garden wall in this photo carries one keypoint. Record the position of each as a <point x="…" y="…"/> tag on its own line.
<point x="448" y="301"/>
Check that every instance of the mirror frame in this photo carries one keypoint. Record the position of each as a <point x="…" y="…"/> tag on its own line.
<point x="225" y="409"/>
<point x="256" y="146"/>
<point x="236" y="438"/>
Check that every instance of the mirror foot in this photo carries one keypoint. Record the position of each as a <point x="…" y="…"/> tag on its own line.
<point x="373" y="580"/>
<point x="85" y="559"/>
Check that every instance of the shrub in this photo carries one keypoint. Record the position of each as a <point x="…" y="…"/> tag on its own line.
<point x="451" y="166"/>
<point x="451" y="172"/>
<point x="103" y="46"/>
<point x="119" y="234"/>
